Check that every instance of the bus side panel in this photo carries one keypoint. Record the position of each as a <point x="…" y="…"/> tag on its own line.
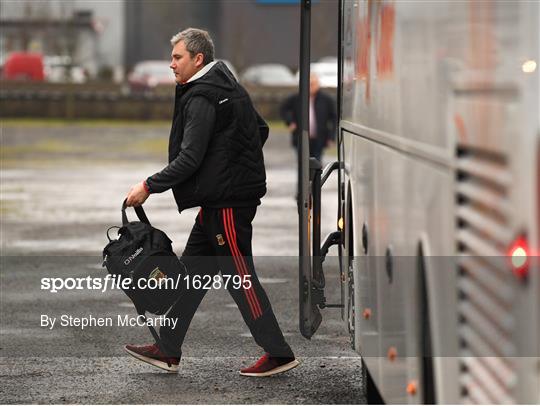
<point x="395" y="197"/>
<point x="359" y="168"/>
<point x="413" y="205"/>
<point x="391" y="269"/>
<point x="430" y="224"/>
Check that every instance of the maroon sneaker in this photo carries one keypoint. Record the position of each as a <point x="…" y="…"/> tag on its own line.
<point x="268" y="366"/>
<point x="153" y="356"/>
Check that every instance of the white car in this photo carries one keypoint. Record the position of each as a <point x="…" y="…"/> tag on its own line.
<point x="60" y="68"/>
<point x="147" y="75"/>
<point x="271" y="74"/>
<point x="326" y="71"/>
<point x="329" y="59"/>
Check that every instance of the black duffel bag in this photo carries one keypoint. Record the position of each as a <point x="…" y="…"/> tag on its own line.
<point x="144" y="254"/>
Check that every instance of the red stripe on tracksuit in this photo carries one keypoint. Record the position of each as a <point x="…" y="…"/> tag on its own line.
<point x="242" y="261"/>
<point x="229" y="235"/>
<point x="241" y="267"/>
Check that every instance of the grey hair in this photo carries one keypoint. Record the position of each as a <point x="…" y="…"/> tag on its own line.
<point x="196" y="41"/>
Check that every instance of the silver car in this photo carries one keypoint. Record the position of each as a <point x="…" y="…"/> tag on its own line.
<point x="268" y="75"/>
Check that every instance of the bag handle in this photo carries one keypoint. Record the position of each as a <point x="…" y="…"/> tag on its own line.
<point x="138" y="210"/>
<point x="109" y="229"/>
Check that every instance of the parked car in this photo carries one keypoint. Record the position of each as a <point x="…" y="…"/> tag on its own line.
<point x="268" y="75"/>
<point x="148" y="74"/>
<point x="326" y="71"/>
<point x="24" y="66"/>
<point x="329" y="59"/>
<point x="60" y="68"/>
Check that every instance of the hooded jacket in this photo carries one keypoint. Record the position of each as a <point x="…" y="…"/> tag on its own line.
<point x="215" y="144"/>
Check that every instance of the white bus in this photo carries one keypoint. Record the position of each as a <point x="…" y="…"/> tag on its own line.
<point x="439" y="161"/>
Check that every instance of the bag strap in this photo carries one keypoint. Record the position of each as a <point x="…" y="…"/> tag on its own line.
<point x="138" y="210"/>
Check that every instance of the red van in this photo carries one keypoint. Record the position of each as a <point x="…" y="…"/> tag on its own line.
<point x="24" y="66"/>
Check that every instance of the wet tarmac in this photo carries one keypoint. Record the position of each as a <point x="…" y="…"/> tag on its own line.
<point x="61" y="187"/>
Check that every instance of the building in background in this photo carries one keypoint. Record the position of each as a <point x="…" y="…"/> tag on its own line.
<point x="89" y="32"/>
<point x="108" y="38"/>
<point x="151" y="24"/>
<point x="268" y="31"/>
<point x="245" y="32"/>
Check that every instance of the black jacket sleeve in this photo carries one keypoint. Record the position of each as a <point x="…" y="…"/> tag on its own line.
<point x="199" y="120"/>
<point x="287" y="110"/>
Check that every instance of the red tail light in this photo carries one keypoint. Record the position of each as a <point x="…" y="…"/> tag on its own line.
<point x="519" y="255"/>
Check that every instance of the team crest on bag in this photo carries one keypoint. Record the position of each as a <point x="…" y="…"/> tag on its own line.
<point x="220" y="239"/>
<point x="156" y="274"/>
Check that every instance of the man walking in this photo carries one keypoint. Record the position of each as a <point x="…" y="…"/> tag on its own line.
<point x="215" y="162"/>
<point x="322" y="118"/>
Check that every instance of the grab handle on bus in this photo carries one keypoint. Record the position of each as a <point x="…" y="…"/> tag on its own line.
<point x="315" y="171"/>
<point x="318" y="178"/>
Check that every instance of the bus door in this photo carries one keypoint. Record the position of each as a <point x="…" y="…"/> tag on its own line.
<point x="311" y="178"/>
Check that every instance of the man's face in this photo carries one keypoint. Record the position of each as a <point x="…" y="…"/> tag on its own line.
<point x="183" y="65"/>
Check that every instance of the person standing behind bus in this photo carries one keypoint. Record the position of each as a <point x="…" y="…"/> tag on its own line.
<point x="322" y="118"/>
